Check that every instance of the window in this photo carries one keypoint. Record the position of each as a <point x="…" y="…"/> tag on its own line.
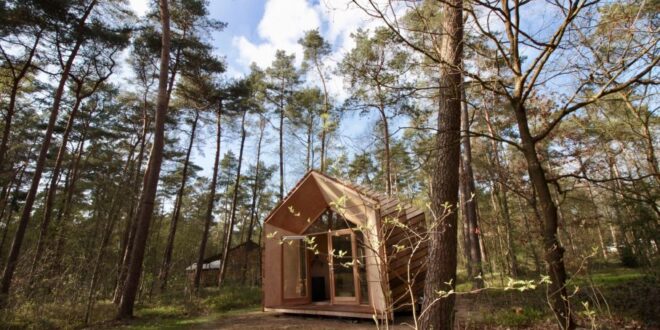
<point x="328" y="221"/>
<point x="294" y="262"/>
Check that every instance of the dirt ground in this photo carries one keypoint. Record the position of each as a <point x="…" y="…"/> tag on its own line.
<point x="270" y="320"/>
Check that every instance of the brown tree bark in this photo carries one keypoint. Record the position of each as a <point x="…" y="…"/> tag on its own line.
<point x="208" y="217"/>
<point x="232" y="217"/>
<point x="150" y="182"/>
<point x="169" y="247"/>
<point x="554" y="252"/>
<point x="12" y="259"/>
<point x="386" y="147"/>
<point x="281" y="150"/>
<point x="438" y="312"/>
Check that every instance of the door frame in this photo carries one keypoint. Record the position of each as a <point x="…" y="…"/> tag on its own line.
<point x="355" y="300"/>
<point x="308" y="297"/>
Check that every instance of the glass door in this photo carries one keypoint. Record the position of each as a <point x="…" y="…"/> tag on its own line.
<point x="344" y="277"/>
<point x="294" y="269"/>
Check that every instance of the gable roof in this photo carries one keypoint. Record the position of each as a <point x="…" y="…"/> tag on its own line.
<point x="315" y="192"/>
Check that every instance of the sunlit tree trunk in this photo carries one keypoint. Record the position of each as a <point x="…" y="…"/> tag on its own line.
<point x="152" y="174"/>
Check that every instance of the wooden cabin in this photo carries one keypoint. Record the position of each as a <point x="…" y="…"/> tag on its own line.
<point x="236" y="257"/>
<point x="333" y="248"/>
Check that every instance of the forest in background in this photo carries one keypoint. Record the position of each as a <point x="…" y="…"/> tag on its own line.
<point x="548" y="130"/>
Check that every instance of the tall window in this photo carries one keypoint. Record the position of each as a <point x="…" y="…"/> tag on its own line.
<point x="295" y="267"/>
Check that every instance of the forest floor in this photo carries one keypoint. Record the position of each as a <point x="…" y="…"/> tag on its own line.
<point x="611" y="298"/>
<point x="616" y="298"/>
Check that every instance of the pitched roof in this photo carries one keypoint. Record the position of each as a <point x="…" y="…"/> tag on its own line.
<point x="375" y="199"/>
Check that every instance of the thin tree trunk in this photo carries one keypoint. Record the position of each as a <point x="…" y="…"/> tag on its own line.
<point x="310" y="147"/>
<point x="438" y="312"/>
<point x="281" y="132"/>
<point x="255" y="193"/>
<point x="208" y="218"/>
<point x="466" y="226"/>
<point x="324" y="117"/>
<point x="470" y="201"/>
<point x="52" y="187"/>
<point x="12" y="259"/>
<point x="386" y="151"/>
<point x="232" y="218"/>
<point x="167" y="258"/>
<point x="150" y="183"/>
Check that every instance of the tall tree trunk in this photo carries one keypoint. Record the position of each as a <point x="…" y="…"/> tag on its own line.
<point x="255" y="194"/>
<point x="17" y="79"/>
<point x="281" y="132"/>
<point x="232" y="217"/>
<point x="466" y="225"/>
<point x="52" y="187"/>
<point x="310" y="145"/>
<point x="167" y="257"/>
<point x="554" y="252"/>
<point x="470" y="201"/>
<point x="438" y="311"/>
<point x="150" y="183"/>
<point x="386" y="151"/>
<point x="131" y="221"/>
<point x="208" y="217"/>
<point x="324" y="116"/>
<point x="12" y="259"/>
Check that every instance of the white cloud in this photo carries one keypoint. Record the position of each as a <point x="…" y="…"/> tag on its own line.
<point x="283" y="23"/>
<point x="139" y="6"/>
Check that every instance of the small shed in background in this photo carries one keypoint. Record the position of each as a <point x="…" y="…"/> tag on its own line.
<point x="236" y="256"/>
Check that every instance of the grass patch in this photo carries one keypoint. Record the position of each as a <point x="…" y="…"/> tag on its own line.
<point x="515" y="317"/>
<point x="234" y="297"/>
<point x="212" y="304"/>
